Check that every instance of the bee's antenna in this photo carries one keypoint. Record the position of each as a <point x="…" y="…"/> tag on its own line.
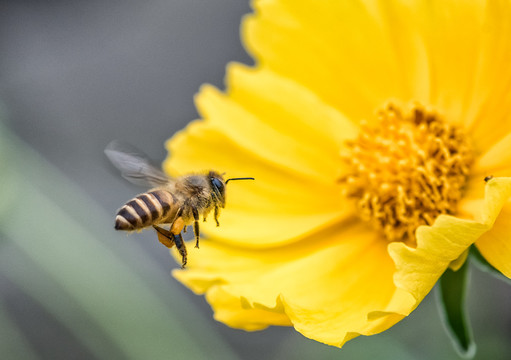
<point x="244" y="178"/>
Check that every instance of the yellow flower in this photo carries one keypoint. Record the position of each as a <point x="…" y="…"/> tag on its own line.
<point x="369" y="127"/>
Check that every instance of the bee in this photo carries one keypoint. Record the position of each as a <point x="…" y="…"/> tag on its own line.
<point x="488" y="178"/>
<point x="177" y="202"/>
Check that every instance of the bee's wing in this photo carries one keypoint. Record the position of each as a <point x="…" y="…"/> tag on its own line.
<point x="134" y="165"/>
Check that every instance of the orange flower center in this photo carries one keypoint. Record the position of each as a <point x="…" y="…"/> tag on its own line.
<point x="405" y="171"/>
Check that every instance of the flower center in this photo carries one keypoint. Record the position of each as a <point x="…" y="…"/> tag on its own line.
<point x="407" y="170"/>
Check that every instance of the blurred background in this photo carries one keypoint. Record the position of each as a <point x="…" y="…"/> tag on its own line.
<point x="75" y="75"/>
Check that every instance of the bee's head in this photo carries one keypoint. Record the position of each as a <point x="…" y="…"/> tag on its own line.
<point x="218" y="185"/>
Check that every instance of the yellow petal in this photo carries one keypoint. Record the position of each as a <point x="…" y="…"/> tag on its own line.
<point x="446" y="240"/>
<point x="460" y="38"/>
<point x="437" y="246"/>
<point x="233" y="311"/>
<point x="496" y="161"/>
<point x="490" y="103"/>
<point x="287" y="107"/>
<point x="331" y="48"/>
<point x="296" y="188"/>
<point x="456" y="264"/>
<point x="495" y="245"/>
<point x="326" y="285"/>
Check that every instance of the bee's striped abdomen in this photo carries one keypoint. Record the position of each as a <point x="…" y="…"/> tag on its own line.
<point x="146" y="209"/>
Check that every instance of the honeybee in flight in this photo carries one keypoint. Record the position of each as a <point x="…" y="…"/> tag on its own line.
<point x="178" y="202"/>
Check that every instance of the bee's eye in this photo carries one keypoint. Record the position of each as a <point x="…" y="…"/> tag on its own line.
<point x="218" y="185"/>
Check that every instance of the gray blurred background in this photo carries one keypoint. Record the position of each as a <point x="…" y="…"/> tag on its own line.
<point x="73" y="76"/>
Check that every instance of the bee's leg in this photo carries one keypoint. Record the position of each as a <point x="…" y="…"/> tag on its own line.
<point x="184" y="229"/>
<point x="176" y="228"/>
<point x="181" y="247"/>
<point x="169" y="239"/>
<point x="217" y="213"/>
<point x="164" y="236"/>
<point x="196" y="226"/>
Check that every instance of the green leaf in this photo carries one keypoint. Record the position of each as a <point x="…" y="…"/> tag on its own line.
<point x="453" y="286"/>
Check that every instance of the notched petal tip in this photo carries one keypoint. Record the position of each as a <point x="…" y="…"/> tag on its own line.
<point x="441" y="244"/>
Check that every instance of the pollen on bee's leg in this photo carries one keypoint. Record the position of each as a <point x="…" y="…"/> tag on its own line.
<point x="177" y="226"/>
<point x="406" y="170"/>
<point x="164" y="236"/>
